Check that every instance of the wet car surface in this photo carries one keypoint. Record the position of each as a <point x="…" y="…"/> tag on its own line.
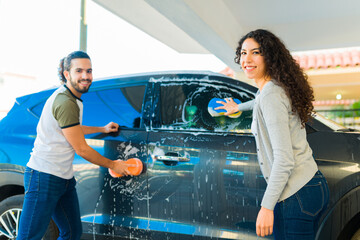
<point x="201" y="179"/>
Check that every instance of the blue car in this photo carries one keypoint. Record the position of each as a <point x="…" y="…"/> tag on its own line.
<point x="201" y="178"/>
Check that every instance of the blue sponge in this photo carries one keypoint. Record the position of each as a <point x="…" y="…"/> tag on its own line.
<point x="220" y="112"/>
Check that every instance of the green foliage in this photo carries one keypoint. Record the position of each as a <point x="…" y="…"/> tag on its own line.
<point x="356" y="105"/>
<point x="340" y="111"/>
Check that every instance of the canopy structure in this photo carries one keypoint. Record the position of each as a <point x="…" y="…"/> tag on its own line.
<point x="215" y="26"/>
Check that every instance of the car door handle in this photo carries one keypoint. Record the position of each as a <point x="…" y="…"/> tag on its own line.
<point x="171" y="158"/>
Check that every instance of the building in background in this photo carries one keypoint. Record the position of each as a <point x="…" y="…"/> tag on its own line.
<point x="335" y="77"/>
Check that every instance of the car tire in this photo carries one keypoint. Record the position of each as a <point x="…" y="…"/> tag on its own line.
<point x="10" y="211"/>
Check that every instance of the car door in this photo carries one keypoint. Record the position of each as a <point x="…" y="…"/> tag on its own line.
<point x="203" y="176"/>
<point x="114" y="207"/>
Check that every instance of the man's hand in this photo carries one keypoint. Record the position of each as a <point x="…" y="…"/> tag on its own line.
<point x="264" y="222"/>
<point x="111" y="127"/>
<point x="229" y="105"/>
<point x="121" y="167"/>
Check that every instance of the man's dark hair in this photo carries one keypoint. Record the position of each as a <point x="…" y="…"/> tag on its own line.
<point x="65" y="63"/>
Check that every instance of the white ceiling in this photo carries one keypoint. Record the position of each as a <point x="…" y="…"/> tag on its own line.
<point x="215" y="26"/>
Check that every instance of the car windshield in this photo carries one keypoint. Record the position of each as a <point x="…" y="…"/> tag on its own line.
<point x="329" y="123"/>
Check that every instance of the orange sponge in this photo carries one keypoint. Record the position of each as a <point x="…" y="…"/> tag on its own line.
<point x="135" y="167"/>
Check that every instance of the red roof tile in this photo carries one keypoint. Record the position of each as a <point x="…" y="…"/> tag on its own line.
<point x="334" y="102"/>
<point x="347" y="58"/>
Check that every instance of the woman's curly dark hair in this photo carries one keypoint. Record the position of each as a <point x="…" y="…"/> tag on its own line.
<point x="282" y="67"/>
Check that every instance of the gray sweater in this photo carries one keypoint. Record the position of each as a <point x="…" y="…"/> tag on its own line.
<point x="284" y="154"/>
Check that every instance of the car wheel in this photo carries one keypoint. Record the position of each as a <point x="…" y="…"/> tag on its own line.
<point x="10" y="211"/>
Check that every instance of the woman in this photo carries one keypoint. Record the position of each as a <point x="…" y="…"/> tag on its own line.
<point x="296" y="192"/>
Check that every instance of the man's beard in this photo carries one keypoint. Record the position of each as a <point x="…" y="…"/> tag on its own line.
<point x="75" y="85"/>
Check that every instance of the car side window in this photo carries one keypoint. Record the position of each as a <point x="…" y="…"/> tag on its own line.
<point x="37" y="109"/>
<point x="185" y="106"/>
<point x="122" y="105"/>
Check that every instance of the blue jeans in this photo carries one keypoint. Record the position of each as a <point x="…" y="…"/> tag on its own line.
<point x="46" y="197"/>
<point x="297" y="217"/>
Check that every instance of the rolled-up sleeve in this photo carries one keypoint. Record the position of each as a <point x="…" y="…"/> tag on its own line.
<point x="246" y="106"/>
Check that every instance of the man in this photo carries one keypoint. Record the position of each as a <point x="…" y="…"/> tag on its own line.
<point x="49" y="180"/>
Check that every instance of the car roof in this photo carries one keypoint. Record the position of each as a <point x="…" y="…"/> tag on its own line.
<point x="135" y="79"/>
<point x="169" y="76"/>
<point x="195" y="73"/>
